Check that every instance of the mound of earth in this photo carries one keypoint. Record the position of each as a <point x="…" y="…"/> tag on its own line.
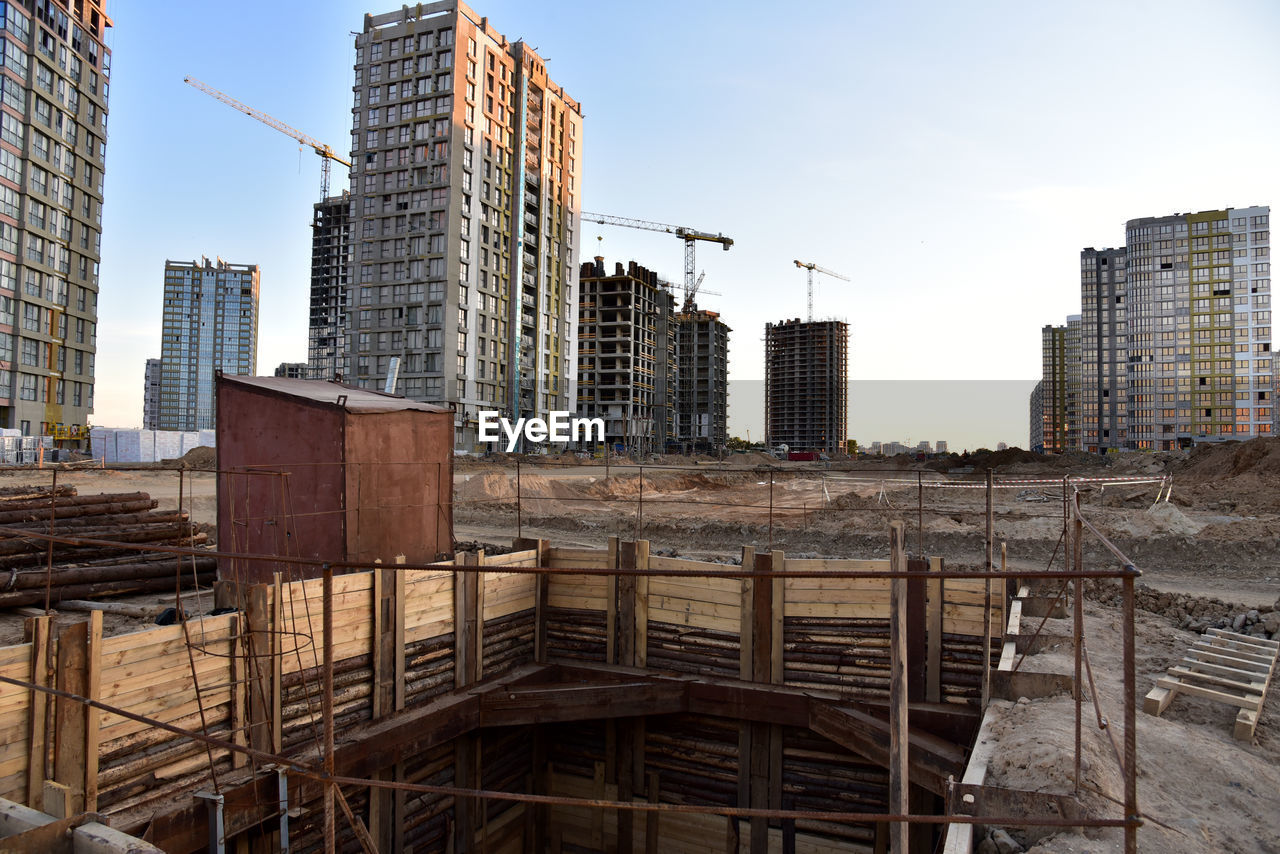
<point x="1225" y="460"/>
<point x="196" y="458"/>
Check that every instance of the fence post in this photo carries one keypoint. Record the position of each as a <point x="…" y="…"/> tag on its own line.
<point x="899" y="784"/>
<point x="986" y="599"/>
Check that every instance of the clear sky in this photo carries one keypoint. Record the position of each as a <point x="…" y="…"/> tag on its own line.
<point x="950" y="158"/>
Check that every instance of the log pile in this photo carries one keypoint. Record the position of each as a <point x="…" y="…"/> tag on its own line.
<point x="29" y="565"/>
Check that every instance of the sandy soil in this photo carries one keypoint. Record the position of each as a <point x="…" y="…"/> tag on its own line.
<point x="1199" y="789"/>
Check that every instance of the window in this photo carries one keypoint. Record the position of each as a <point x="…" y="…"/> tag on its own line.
<point x="10" y="166"/>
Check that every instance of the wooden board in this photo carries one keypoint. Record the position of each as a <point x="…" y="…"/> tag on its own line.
<point x="508" y="593"/>
<point x="1227" y="667"/>
<point x="677" y="564"/>
<point x="722" y="591"/>
<point x="580" y="592"/>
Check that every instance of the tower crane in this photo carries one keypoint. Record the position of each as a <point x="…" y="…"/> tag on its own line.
<point x="690" y="236"/>
<point x="812" y="268"/>
<point x="326" y="153"/>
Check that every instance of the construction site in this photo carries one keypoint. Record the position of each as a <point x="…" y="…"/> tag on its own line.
<point x="320" y="644"/>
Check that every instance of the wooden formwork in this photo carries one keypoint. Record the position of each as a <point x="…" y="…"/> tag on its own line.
<point x="407" y="640"/>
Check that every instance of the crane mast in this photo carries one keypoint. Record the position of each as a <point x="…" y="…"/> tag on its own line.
<point x="812" y="268"/>
<point x="326" y="153"/>
<point x="690" y="236"/>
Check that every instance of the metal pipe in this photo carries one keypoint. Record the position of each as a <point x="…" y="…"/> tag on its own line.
<point x="282" y="789"/>
<point x="986" y="609"/>
<point x="1103" y="723"/>
<point x="1130" y="723"/>
<point x="1077" y="631"/>
<point x="330" y="834"/>
<point x="519" y="515"/>
<point x="177" y="586"/>
<point x="771" y="509"/>
<point x="640" y="508"/>
<point x="292" y="560"/>
<point x="217" y="829"/>
<point x="48" y="573"/>
<point x="920" y="514"/>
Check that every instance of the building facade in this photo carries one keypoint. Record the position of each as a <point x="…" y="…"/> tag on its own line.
<point x="466" y="188"/>
<point x="54" y="81"/>
<point x="1103" y="350"/>
<point x="702" y="380"/>
<point x="292" y="370"/>
<point x="1058" y="391"/>
<point x="151" y="395"/>
<point x="1036" y="436"/>
<point x="627" y="355"/>
<point x="210" y="326"/>
<point x="807" y="384"/>
<point x="330" y="288"/>
<point x="1199" y="328"/>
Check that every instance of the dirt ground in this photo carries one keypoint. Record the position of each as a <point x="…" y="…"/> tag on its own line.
<point x="1217" y="536"/>
<point x="1199" y="789"/>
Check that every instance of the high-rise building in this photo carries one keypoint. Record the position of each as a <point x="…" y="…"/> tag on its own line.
<point x="330" y="267"/>
<point x="466" y="189"/>
<point x="806" y="385"/>
<point x="702" y="380"/>
<point x="292" y="370"/>
<point x="1199" y="328"/>
<point x="151" y="395"/>
<point x="1175" y="337"/>
<point x="210" y="325"/>
<point x="1036" y="437"/>
<point x="53" y="129"/>
<point x="626" y="355"/>
<point x="1103" y="350"/>
<point x="1073" y="398"/>
<point x="1059" y="387"/>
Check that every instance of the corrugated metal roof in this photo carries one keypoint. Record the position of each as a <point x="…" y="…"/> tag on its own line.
<point x="350" y="398"/>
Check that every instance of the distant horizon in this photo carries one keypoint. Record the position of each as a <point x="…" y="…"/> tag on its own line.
<point x="966" y="414"/>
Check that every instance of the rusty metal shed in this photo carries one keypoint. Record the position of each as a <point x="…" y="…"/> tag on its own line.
<point x="323" y="470"/>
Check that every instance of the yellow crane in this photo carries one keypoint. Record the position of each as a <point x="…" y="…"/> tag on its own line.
<point x="326" y="153"/>
<point x="690" y="236"/>
<point x="812" y="268"/>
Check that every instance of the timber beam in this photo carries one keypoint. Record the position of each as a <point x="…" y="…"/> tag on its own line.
<point x="535" y="694"/>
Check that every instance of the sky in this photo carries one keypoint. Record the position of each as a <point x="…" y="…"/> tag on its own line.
<point x="950" y="159"/>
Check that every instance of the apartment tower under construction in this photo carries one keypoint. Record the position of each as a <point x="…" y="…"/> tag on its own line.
<point x="627" y="355"/>
<point x="330" y="272"/>
<point x="702" y="380"/>
<point x="807" y="384"/>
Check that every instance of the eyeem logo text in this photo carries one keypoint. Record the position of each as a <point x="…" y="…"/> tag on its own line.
<point x="560" y="427"/>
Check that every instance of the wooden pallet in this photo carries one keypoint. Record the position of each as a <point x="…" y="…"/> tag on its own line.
<point x="1224" y="666"/>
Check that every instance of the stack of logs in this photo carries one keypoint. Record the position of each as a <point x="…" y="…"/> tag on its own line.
<point x="29" y="565"/>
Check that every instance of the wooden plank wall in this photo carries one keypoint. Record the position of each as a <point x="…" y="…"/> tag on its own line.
<point x="827" y="633"/>
<point x="578" y="606"/>
<point x="257" y="672"/>
<point x="401" y="637"/>
<point x="15" y="722"/>
<point x="151" y="673"/>
<point x="835" y="630"/>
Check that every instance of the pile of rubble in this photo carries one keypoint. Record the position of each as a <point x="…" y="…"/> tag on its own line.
<point x="1194" y="613"/>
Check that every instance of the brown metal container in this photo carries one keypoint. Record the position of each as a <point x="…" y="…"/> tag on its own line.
<point x="323" y="470"/>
